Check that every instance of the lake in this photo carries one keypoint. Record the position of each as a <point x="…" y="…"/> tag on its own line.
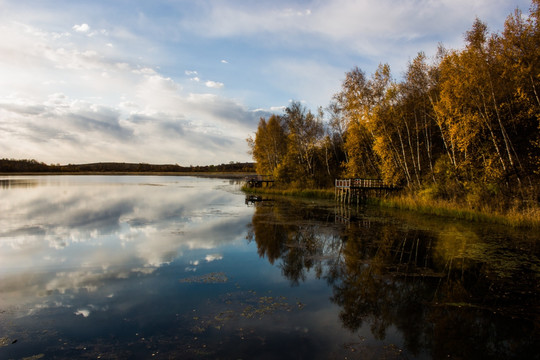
<point x="147" y="267"/>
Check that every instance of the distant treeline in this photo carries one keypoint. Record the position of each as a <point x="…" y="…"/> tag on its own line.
<point x="33" y="166"/>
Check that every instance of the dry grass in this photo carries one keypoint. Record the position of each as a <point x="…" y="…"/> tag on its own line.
<point x="528" y="217"/>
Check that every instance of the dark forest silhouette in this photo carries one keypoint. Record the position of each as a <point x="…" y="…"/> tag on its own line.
<point x="33" y="166"/>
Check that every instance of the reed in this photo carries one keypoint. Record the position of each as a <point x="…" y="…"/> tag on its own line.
<point x="526" y="217"/>
<point x="529" y="217"/>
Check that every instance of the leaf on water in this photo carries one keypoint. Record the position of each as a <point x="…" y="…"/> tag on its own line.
<point x="4" y="341"/>
<point x="34" y="357"/>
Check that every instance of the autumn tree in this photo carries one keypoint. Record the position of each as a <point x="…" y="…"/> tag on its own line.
<point x="304" y="135"/>
<point x="269" y="146"/>
<point x="291" y="147"/>
<point x="519" y="51"/>
<point x="489" y="108"/>
<point x="352" y="109"/>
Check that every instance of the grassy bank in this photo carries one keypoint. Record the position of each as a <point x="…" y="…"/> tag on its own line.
<point x="525" y="218"/>
<point x="522" y="218"/>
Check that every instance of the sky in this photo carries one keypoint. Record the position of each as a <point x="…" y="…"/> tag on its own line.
<point x="186" y="81"/>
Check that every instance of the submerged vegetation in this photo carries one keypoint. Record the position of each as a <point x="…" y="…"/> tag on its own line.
<point x="460" y="132"/>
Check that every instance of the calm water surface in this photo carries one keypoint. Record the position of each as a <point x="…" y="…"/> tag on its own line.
<point x="141" y="267"/>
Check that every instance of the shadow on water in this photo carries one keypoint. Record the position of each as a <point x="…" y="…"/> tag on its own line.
<point x="451" y="289"/>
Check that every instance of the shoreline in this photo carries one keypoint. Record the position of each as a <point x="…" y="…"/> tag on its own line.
<point x="525" y="219"/>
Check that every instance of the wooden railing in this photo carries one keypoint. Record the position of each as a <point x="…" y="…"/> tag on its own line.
<point x="259" y="180"/>
<point x="361" y="184"/>
<point x="353" y="190"/>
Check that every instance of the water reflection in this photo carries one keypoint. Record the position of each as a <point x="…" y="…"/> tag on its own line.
<point x="450" y="289"/>
<point x="17" y="183"/>
<point x="80" y="233"/>
<point x="165" y="267"/>
<point x="299" y="236"/>
<point x="141" y="267"/>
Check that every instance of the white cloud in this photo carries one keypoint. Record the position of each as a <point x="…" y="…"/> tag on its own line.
<point x="224" y="61"/>
<point x="84" y="312"/>
<point x="145" y="71"/>
<point x="214" y="84"/>
<point x="82" y="28"/>
<point x="72" y="131"/>
<point x="277" y="108"/>
<point x="213" y="257"/>
<point x="384" y="29"/>
<point x="318" y="89"/>
<point x="62" y="102"/>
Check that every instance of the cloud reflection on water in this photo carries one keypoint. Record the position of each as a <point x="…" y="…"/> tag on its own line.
<point x="57" y="238"/>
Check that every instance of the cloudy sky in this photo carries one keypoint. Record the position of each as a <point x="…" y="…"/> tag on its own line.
<point x="186" y="81"/>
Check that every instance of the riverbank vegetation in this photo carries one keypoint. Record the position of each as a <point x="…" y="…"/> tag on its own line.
<point x="460" y="129"/>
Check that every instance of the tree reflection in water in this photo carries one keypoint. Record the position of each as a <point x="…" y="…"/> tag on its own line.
<point x="450" y="289"/>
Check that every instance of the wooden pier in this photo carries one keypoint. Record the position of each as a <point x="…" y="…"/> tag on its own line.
<point x="349" y="191"/>
<point x="256" y="181"/>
